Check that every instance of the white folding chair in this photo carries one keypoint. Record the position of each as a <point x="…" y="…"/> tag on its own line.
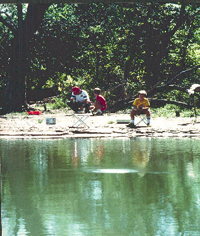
<point x="142" y="118"/>
<point x="80" y="120"/>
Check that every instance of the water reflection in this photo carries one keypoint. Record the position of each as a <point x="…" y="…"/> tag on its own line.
<point x="100" y="187"/>
<point x="141" y="155"/>
<point x="114" y="171"/>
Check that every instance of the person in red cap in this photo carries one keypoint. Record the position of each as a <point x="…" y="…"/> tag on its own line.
<point x="79" y="100"/>
<point x="100" y="104"/>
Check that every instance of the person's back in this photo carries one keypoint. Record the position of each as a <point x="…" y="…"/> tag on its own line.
<point x="81" y="97"/>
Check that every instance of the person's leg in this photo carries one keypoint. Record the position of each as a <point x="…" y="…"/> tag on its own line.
<point x="133" y="113"/>
<point x="148" y="115"/>
<point x="80" y="105"/>
<point x="74" y="105"/>
<point x="87" y="107"/>
<point x="98" y="107"/>
<point x="132" y="123"/>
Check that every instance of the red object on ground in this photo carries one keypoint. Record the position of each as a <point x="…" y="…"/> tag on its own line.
<point x="34" y="112"/>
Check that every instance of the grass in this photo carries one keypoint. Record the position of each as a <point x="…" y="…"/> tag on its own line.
<point x="170" y="111"/>
<point x="40" y="121"/>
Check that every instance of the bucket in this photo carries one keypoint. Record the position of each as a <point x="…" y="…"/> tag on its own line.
<point x="50" y="121"/>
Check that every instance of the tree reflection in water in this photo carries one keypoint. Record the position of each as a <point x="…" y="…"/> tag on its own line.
<point x="100" y="187"/>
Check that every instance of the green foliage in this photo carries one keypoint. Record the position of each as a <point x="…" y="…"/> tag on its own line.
<point x="166" y="111"/>
<point x="101" y="45"/>
<point x="59" y="103"/>
<point x="40" y="121"/>
<point x="170" y="110"/>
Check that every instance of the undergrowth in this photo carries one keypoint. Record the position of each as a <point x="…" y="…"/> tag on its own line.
<point x="168" y="111"/>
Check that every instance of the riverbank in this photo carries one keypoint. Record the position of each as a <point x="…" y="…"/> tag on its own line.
<point x="14" y="126"/>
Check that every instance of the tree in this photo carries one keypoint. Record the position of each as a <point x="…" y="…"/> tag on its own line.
<point x="14" y="97"/>
<point x="136" y="45"/>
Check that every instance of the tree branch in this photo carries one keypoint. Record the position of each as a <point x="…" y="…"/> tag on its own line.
<point x="10" y="26"/>
<point x="127" y="102"/>
<point x="182" y="72"/>
<point x="162" y="102"/>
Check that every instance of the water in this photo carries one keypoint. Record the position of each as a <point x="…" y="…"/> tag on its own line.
<point x="100" y="187"/>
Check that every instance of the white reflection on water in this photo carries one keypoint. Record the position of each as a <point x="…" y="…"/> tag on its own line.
<point x="123" y="171"/>
<point x="97" y="190"/>
<point x="114" y="171"/>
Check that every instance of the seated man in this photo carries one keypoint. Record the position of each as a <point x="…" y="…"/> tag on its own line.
<point x="100" y="104"/>
<point x="79" y="100"/>
<point x="140" y="106"/>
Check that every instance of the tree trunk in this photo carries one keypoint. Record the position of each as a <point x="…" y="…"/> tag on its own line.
<point x="15" y="93"/>
<point x="14" y="96"/>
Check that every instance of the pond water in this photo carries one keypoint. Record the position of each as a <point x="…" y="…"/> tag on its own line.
<point x="100" y="187"/>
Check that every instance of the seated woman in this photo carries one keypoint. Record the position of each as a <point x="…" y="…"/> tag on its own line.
<point x="100" y="104"/>
<point x="79" y="100"/>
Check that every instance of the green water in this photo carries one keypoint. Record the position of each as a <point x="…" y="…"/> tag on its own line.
<point x="100" y="187"/>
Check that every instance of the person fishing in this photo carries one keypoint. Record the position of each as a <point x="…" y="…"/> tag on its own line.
<point x="79" y="100"/>
<point x="141" y="105"/>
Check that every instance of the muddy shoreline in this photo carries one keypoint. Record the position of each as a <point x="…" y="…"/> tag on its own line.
<point x="35" y="127"/>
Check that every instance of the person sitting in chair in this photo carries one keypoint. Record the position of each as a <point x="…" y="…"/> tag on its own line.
<point x="100" y="104"/>
<point x="140" y="106"/>
<point x="79" y="100"/>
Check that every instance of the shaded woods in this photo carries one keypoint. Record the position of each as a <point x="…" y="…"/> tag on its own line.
<point x="120" y="48"/>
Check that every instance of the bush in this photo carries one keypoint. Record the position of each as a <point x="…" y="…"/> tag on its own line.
<point x="171" y="110"/>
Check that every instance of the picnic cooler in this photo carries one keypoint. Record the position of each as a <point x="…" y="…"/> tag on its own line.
<point x="123" y="121"/>
<point x="50" y="121"/>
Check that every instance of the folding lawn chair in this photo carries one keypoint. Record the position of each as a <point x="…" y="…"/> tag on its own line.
<point x="80" y="119"/>
<point x="142" y="118"/>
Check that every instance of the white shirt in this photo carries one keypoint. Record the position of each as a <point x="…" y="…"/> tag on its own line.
<point x="81" y="97"/>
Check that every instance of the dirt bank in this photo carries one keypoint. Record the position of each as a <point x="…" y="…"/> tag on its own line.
<point x="34" y="126"/>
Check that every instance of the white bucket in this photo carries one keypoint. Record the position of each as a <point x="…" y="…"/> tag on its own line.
<point x="50" y="121"/>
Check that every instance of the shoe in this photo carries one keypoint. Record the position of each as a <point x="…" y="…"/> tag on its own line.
<point x="97" y="114"/>
<point x="131" y="125"/>
<point x="148" y="125"/>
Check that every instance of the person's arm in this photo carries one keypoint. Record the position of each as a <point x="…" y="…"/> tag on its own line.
<point x="147" y="105"/>
<point x="145" y="108"/>
<point x="135" y="108"/>
<point x="135" y="105"/>
<point x="85" y="96"/>
<point x="73" y="98"/>
<point x="85" y="101"/>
